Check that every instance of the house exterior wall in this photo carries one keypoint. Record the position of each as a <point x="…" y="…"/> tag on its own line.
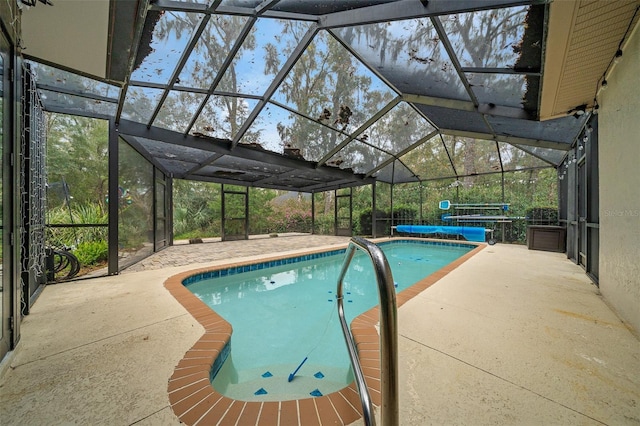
<point x="619" y="152"/>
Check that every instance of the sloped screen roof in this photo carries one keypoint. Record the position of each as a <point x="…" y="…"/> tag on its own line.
<point x="316" y="95"/>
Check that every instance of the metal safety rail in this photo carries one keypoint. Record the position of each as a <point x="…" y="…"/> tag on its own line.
<point x="388" y="335"/>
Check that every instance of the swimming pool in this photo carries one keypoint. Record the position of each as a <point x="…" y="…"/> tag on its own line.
<point x="194" y="400"/>
<point x="283" y="312"/>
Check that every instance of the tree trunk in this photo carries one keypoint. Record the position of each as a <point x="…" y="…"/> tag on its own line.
<point x="469" y="163"/>
<point x="328" y="199"/>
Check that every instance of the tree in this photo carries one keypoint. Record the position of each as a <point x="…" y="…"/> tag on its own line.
<point x="77" y="153"/>
<point x="197" y="209"/>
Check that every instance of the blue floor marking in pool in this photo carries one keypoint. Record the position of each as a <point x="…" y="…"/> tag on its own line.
<point x="267" y="374"/>
<point x="319" y="375"/>
<point x="292" y="375"/>
<point x="315" y="393"/>
<point x="260" y="391"/>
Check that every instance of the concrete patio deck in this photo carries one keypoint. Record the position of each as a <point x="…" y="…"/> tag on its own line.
<point x="511" y="336"/>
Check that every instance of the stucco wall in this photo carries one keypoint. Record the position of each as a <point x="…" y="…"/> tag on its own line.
<point x="619" y="151"/>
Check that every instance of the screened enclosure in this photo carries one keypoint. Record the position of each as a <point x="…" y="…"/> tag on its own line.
<point x="310" y="96"/>
<point x="367" y="113"/>
<point x="127" y="125"/>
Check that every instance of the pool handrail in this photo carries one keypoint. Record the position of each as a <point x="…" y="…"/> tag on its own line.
<point x="388" y="335"/>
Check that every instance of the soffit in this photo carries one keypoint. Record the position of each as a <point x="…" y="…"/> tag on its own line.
<point x="73" y="34"/>
<point x="582" y="40"/>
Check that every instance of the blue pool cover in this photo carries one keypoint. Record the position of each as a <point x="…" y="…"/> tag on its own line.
<point x="470" y="233"/>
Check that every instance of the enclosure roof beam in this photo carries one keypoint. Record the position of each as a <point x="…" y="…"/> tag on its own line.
<point x="487" y="173"/>
<point x="479" y="70"/>
<point x="128" y="127"/>
<point x="297" y="52"/>
<point x="361" y="129"/>
<point x="143" y="9"/>
<point x="482" y="108"/>
<point x="78" y="112"/>
<point x="228" y="60"/>
<point x="216" y="8"/>
<point x="402" y="153"/>
<point x="186" y="53"/>
<point x="86" y="95"/>
<point x="275" y="83"/>
<point x="346" y="183"/>
<point x="514" y="140"/>
<point x="212" y="159"/>
<point x="222" y="146"/>
<point x="142" y="151"/>
<point x="330" y="186"/>
<point x="410" y="9"/>
<point x="178" y="6"/>
<point x="444" y="39"/>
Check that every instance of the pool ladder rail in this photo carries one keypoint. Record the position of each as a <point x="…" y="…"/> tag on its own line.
<point x="388" y="335"/>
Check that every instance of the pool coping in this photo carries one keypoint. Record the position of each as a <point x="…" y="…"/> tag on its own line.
<point x="194" y="400"/>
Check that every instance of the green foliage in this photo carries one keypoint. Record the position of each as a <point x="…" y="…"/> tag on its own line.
<point x="92" y="252"/>
<point x="292" y="215"/>
<point x="361" y="199"/>
<point x="324" y="213"/>
<point x="78" y="213"/>
<point x="197" y="209"/>
<point x="261" y="209"/>
<point x="325" y="76"/>
<point x="365" y="227"/>
<point x="72" y="236"/>
<point x="324" y="225"/>
<point x="542" y="216"/>
<point x="404" y="214"/>
<point x="188" y="235"/>
<point x="133" y="232"/>
<point x="418" y="202"/>
<point x="135" y="225"/>
<point x="90" y="213"/>
<point x="77" y="155"/>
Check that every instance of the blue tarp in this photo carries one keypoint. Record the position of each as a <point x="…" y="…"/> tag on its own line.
<point x="470" y="233"/>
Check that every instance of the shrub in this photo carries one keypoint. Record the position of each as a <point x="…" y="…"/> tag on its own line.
<point x="404" y="215"/>
<point x="324" y="225"/>
<point x="291" y="215"/>
<point x="365" y="223"/>
<point x="92" y="252"/>
<point x="542" y="216"/>
<point x="79" y="214"/>
<point x="291" y="221"/>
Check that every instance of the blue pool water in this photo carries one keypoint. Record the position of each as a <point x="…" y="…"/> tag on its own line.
<point x="283" y="313"/>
